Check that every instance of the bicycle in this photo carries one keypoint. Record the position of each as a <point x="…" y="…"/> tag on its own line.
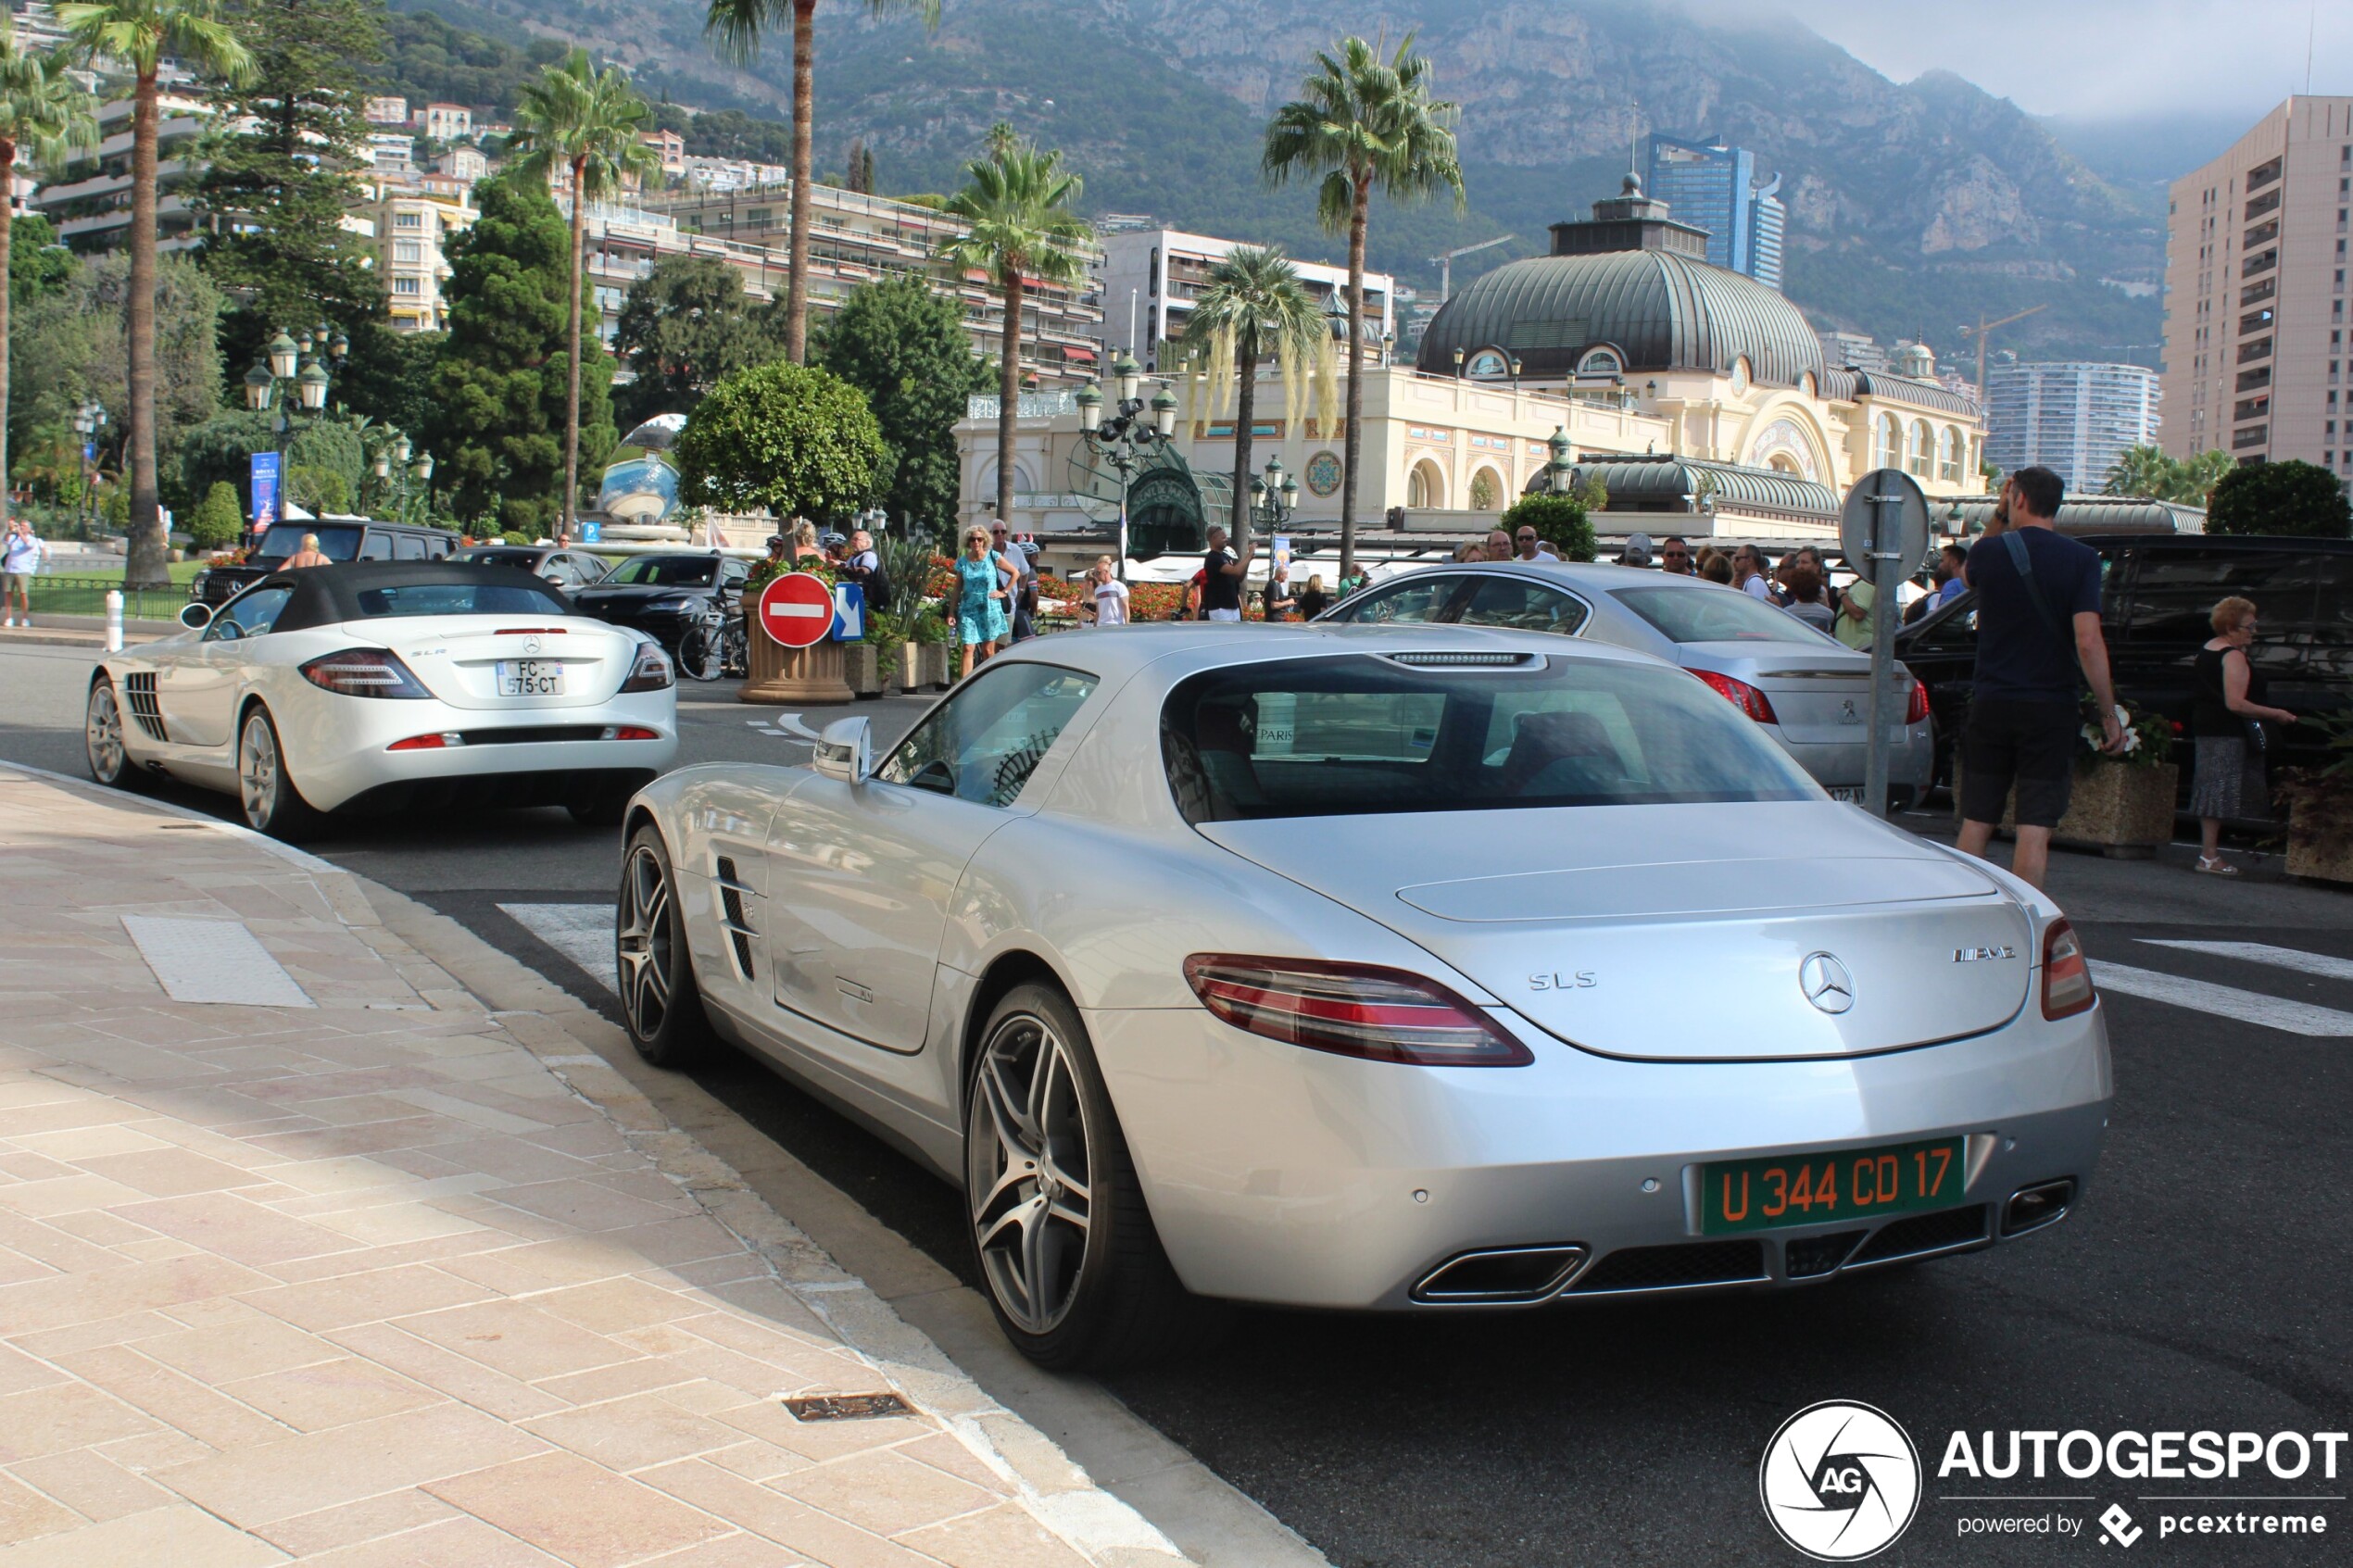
<point x="713" y="646"/>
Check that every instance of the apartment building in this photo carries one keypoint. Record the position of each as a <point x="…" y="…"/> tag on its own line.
<point x="2255" y="273"/>
<point x="387" y="111"/>
<point x="2074" y="418"/>
<point x="856" y="238"/>
<point x="90" y="203"/>
<point x="412" y="228"/>
<point x="671" y="148"/>
<point x="1151" y="277"/>
<point x="445" y="122"/>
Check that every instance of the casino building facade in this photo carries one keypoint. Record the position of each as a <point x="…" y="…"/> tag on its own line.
<point x="1699" y="396"/>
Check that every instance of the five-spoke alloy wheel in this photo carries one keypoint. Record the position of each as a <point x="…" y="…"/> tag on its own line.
<point x="102" y="740"/>
<point x="271" y="803"/>
<point x="659" y="998"/>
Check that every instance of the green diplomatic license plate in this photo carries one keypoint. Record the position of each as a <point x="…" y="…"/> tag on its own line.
<point x="1813" y="1189"/>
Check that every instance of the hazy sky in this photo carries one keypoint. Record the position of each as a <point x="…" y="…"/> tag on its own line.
<point x="2105" y="58"/>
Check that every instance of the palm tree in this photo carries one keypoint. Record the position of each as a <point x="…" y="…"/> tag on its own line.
<point x="43" y="112"/>
<point x="2142" y="470"/>
<point x="736" y="27"/>
<point x="1255" y="308"/>
<point x="587" y="122"/>
<point x="141" y="34"/>
<point x="1015" y="205"/>
<point x="1365" y="124"/>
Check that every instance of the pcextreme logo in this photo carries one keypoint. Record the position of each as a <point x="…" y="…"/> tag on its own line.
<point x="1839" y="1481"/>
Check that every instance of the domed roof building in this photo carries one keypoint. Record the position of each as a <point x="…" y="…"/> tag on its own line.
<point x="1629" y="292"/>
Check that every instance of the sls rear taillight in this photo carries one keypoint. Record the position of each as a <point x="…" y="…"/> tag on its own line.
<point x="364" y="672"/>
<point x="2067" y="975"/>
<point x="1352" y="1009"/>
<point x="1916" y="706"/>
<point x="1741" y="695"/>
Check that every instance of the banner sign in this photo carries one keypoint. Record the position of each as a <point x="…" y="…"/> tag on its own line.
<point x="264" y="484"/>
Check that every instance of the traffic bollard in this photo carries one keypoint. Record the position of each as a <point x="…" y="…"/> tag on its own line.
<point x="114" y="621"/>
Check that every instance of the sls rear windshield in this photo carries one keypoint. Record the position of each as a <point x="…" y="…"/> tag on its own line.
<point x="1360" y="734"/>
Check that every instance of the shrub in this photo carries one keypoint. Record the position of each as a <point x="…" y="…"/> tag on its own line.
<point x="2301" y="500"/>
<point x="1560" y="520"/>
<point x="217" y="521"/>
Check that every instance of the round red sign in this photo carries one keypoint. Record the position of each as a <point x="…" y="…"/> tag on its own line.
<point x="797" y="609"/>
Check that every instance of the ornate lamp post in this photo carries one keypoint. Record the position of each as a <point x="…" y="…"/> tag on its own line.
<point x="1273" y="498"/>
<point x="1127" y="439"/>
<point x="88" y="420"/>
<point x="304" y="364"/>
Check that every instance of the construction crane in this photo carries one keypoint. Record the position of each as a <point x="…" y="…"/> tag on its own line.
<point x="1445" y="264"/>
<point x="1980" y="329"/>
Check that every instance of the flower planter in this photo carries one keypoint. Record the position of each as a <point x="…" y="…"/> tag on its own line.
<point x="779" y="675"/>
<point x="2318" y="845"/>
<point x="936" y="666"/>
<point x="861" y="668"/>
<point x="2119" y="809"/>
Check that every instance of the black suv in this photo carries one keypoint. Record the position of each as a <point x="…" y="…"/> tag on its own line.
<point x="2157" y="594"/>
<point x="662" y="595"/>
<point x="340" y="539"/>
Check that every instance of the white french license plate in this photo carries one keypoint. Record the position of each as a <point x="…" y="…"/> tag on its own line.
<point x="531" y="677"/>
<point x="1850" y="793"/>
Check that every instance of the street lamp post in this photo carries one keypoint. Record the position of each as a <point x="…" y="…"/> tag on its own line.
<point x="303" y="365"/>
<point x="1273" y="498"/>
<point x="1127" y="439"/>
<point x="88" y="420"/>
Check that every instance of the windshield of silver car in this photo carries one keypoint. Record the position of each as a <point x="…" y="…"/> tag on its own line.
<point x="1362" y="733"/>
<point x="1695" y="614"/>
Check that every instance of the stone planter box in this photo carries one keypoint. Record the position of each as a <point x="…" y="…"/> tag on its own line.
<point x="2120" y="811"/>
<point x="936" y="666"/>
<point x="811" y="676"/>
<point x="862" y="669"/>
<point x="2309" y="856"/>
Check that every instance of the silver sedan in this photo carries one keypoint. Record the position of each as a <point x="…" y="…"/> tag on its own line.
<point x="1812" y="693"/>
<point x="1408" y="969"/>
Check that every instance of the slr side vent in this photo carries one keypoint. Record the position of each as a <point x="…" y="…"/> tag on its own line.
<point x="139" y="694"/>
<point x="733" y="913"/>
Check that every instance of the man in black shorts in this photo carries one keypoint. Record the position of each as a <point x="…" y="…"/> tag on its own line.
<point x="2035" y="627"/>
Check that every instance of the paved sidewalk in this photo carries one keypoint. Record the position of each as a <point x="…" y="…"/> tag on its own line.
<point x="372" y="1281"/>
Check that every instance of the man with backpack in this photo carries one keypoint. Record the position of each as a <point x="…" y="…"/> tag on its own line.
<point x="863" y="565"/>
<point x="2038" y="641"/>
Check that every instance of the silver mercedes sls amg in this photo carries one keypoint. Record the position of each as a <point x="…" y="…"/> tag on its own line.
<point x="1401" y="968"/>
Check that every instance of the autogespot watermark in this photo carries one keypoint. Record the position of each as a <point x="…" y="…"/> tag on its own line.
<point x="1842" y="1480"/>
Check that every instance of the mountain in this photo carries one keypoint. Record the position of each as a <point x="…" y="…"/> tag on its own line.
<point x="1914" y="206"/>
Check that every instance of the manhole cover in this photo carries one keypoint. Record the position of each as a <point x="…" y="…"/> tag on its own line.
<point x="847" y="1407"/>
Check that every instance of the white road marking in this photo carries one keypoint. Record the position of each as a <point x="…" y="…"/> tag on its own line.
<point x="2257" y="952"/>
<point x="213" y="960"/>
<point x="581" y="933"/>
<point x="2224" y="1001"/>
<point x="785" y="726"/>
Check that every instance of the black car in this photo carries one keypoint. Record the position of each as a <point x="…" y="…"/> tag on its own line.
<point x="662" y="595"/>
<point x="2157" y="594"/>
<point x="340" y="539"/>
<point x="568" y="570"/>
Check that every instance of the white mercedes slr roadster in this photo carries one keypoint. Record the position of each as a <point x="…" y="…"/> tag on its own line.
<point x="377" y="687"/>
<point x="1407" y="969"/>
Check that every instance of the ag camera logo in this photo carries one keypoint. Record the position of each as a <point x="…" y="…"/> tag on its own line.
<point x="1839" y="1481"/>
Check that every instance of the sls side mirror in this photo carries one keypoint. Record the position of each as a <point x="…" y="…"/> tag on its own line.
<point x="845" y="750"/>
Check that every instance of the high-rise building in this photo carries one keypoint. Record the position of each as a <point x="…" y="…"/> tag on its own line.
<point x="1714" y="187"/>
<point x="1151" y="277"/>
<point x="2073" y="419"/>
<point x="90" y="200"/>
<point x="2255" y="316"/>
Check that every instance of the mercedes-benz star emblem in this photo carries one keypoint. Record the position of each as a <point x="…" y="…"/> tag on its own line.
<point x="531" y="645"/>
<point x="1826" y="983"/>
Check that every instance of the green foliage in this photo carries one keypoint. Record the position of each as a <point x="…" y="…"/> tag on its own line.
<point x="683" y="327"/>
<point x="219" y="451"/>
<point x="733" y="133"/>
<point x="317" y="489"/>
<point x="2302" y="500"/>
<point x="498" y="388"/>
<point x="1364" y="122"/>
<point x="325" y="459"/>
<point x="281" y="174"/>
<point x="218" y="520"/>
<point x="906" y="349"/>
<point x="389" y="375"/>
<point x="430" y="61"/>
<point x="795" y="439"/>
<point x="1561" y="519"/>
<point x="38" y="267"/>
<point x="2148" y="473"/>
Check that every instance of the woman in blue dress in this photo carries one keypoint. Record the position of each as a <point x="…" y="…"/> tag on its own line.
<point x="981" y="587"/>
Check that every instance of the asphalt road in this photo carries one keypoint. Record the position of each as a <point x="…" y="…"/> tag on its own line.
<point x="2202" y="1283"/>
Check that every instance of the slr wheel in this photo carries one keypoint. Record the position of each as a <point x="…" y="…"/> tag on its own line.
<point x="271" y="803"/>
<point x="660" y="1001"/>
<point x="1059" y="1231"/>
<point x="103" y="743"/>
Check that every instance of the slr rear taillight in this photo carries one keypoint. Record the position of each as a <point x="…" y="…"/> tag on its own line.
<point x="2067" y="975"/>
<point x="1352" y="1009"/>
<point x="364" y="672"/>
<point x="1741" y="695"/>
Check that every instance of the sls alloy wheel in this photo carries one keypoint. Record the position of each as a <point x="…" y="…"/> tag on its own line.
<point x="102" y="736"/>
<point x="642" y="943"/>
<point x="1030" y="1169"/>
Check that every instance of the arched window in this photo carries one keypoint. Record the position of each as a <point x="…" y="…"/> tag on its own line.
<point x="1601" y="362"/>
<point x="1425" y="487"/>
<point x="1486" y="491"/>
<point x="1915" y="449"/>
<point x="1488" y="364"/>
<point x="1948" y="455"/>
<point x="1882" y="441"/>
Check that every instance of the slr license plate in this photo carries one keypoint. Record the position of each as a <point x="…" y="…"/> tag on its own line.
<point x="1850" y="793"/>
<point x="1813" y="1189"/>
<point x="531" y="677"/>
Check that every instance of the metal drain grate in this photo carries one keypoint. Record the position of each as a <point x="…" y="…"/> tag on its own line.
<point x="847" y="1407"/>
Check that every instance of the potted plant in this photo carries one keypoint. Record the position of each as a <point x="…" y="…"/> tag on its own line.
<point x="815" y="675"/>
<point x="2120" y="806"/>
<point x="2320" y="804"/>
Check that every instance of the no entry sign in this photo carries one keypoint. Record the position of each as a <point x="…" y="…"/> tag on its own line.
<point x="797" y="609"/>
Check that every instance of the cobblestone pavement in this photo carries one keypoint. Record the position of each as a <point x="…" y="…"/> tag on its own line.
<point x="375" y="1275"/>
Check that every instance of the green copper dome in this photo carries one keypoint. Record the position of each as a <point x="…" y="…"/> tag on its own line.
<point x="1658" y="310"/>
